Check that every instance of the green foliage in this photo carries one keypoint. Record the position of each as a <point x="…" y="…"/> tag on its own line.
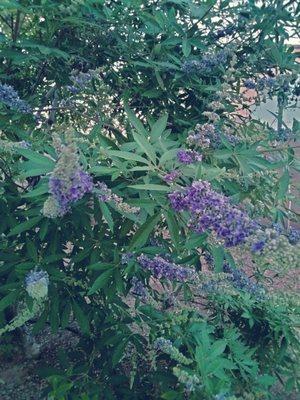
<point x="109" y="86"/>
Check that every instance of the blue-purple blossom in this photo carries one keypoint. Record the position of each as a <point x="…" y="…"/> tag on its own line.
<point x="266" y="83"/>
<point x="67" y="192"/>
<point x="161" y="344"/>
<point x="207" y="64"/>
<point x="161" y="268"/>
<point x="278" y="228"/>
<point x="80" y="80"/>
<point x="284" y="134"/>
<point x="258" y="246"/>
<point x="241" y="281"/>
<point x="105" y="194"/>
<point x="171" y="176"/>
<point x="294" y="236"/>
<point x="212" y="211"/>
<point x="24" y="144"/>
<point x="188" y="156"/>
<point x="139" y="289"/>
<point x="11" y="99"/>
<point x="126" y="257"/>
<point x="249" y="84"/>
<point x="207" y="136"/>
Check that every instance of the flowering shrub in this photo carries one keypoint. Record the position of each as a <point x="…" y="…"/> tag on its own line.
<point x="138" y="195"/>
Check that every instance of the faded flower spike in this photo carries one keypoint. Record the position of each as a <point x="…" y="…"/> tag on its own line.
<point x="37" y="284"/>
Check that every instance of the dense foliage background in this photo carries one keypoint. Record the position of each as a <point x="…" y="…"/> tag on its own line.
<point x="142" y="207"/>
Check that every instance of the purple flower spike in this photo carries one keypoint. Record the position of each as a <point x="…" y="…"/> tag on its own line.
<point x="212" y="211"/>
<point x="161" y="268"/>
<point x="188" y="156"/>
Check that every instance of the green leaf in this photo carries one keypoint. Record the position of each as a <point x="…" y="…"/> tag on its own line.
<point x="119" y="351"/>
<point x="168" y="155"/>
<point x="200" y="11"/>
<point x="170" y="395"/>
<point x="36" y="158"/>
<point x="81" y="317"/>
<point x="107" y="215"/>
<point x="135" y="121"/>
<point x="145" y="146"/>
<point x="39" y="190"/>
<point x="218" y="255"/>
<point x="173" y="227"/>
<point x="142" y="234"/>
<point x="186" y="48"/>
<point x="35" y="172"/>
<point x="151" y="186"/>
<point x="283" y="185"/>
<point x="159" y="126"/>
<point x="24" y="226"/>
<point x="65" y="318"/>
<point x="8" y="300"/>
<point x="54" y="312"/>
<point x="99" y="266"/>
<point x="195" y="241"/>
<point x="101" y="170"/>
<point x="266" y="380"/>
<point x="127" y="156"/>
<point x="217" y="348"/>
<point x="101" y="281"/>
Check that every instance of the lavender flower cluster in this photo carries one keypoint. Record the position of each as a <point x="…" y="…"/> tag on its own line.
<point x="294" y="236"/>
<point x="188" y="156"/>
<point x="68" y="182"/>
<point x="271" y="83"/>
<point x="171" y="176"/>
<point x="80" y="80"/>
<point x="284" y="134"/>
<point x="11" y="99"/>
<point x="37" y="284"/>
<point x="126" y="258"/>
<point x="206" y="136"/>
<point x="161" y="268"/>
<point x="212" y="211"/>
<point x="240" y="281"/>
<point x="207" y="64"/>
<point x="139" y="289"/>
